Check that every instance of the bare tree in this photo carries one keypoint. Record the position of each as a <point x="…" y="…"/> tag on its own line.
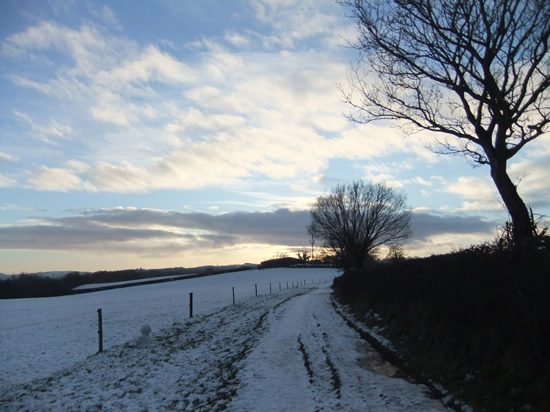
<point x="303" y="255"/>
<point x="395" y="252"/>
<point x="476" y="71"/>
<point x="353" y="220"/>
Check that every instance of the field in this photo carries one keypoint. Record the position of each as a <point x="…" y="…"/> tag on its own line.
<point x="284" y="350"/>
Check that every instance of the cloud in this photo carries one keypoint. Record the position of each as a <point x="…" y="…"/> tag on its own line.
<point x="236" y="39"/>
<point x="194" y="119"/>
<point x="217" y="119"/>
<point x="163" y="119"/>
<point x="438" y="233"/>
<point x="532" y="171"/>
<point x="108" y="16"/>
<point x="142" y="230"/>
<point x="56" y="179"/>
<point x="54" y="129"/>
<point x="149" y="64"/>
<point x="98" y="70"/>
<point x="425" y="225"/>
<point x="146" y="231"/>
<point x="479" y="194"/>
<point x="293" y="22"/>
<point x="6" y="158"/>
<point x="6" y="182"/>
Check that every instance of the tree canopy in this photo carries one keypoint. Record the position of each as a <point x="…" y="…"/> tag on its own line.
<point x="354" y="219"/>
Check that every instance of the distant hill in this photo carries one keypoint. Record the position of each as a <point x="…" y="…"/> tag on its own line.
<point x="58" y="283"/>
<point x="55" y="274"/>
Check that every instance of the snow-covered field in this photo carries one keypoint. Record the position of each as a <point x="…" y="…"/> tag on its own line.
<point x="282" y="351"/>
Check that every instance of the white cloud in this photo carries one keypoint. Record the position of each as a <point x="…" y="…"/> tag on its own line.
<point x="54" y="129"/>
<point x="253" y="107"/>
<point x="123" y="178"/>
<point x="147" y="65"/>
<point x="531" y="171"/>
<point x="56" y="179"/>
<point x="294" y="21"/>
<point x="419" y="181"/>
<point x="111" y="108"/>
<point x="478" y="194"/>
<point x="388" y="180"/>
<point x="6" y="158"/>
<point x="216" y="119"/>
<point x="109" y="17"/>
<point x="105" y="74"/>
<point x="195" y="118"/>
<point x="6" y="182"/>
<point x="31" y="84"/>
<point x="237" y="39"/>
<point x="78" y="166"/>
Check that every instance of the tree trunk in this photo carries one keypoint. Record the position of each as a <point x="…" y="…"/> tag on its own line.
<point x="521" y="220"/>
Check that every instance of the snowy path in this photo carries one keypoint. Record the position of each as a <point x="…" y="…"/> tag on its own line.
<point x="287" y="351"/>
<point x="310" y="360"/>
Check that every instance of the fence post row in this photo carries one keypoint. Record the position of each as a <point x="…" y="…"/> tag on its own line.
<point x="100" y="329"/>
<point x="100" y="315"/>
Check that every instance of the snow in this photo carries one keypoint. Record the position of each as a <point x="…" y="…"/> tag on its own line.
<point x="284" y="350"/>
<point x="132" y="282"/>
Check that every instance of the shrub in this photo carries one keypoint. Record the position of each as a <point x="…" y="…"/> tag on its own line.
<point x="477" y="321"/>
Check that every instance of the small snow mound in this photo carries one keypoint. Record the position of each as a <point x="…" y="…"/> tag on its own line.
<point x="144" y="341"/>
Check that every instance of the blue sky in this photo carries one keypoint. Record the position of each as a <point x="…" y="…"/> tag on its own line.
<point x="182" y="133"/>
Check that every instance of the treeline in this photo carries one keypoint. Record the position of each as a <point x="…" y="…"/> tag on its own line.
<point x="33" y="285"/>
<point x="476" y="321"/>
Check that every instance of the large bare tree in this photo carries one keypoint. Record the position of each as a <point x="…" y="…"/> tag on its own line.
<point x="476" y="71"/>
<point x="354" y="219"/>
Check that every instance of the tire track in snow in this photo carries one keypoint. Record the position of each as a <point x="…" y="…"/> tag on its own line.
<point x="309" y="360"/>
<point x="318" y="362"/>
<point x="292" y="368"/>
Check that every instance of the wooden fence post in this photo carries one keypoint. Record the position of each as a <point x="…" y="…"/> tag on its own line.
<point x="270" y="288"/>
<point x="100" y="329"/>
<point x="256" y="286"/>
<point x="233" y="295"/>
<point x="190" y="305"/>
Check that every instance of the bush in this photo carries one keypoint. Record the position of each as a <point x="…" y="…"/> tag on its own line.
<point x="478" y="321"/>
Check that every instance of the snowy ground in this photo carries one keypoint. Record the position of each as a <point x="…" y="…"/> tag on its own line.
<point x="282" y="351"/>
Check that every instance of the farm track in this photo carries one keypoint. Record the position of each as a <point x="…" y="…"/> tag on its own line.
<point x="310" y="359"/>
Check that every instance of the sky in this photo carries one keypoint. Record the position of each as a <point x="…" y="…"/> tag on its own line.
<point x="182" y="133"/>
